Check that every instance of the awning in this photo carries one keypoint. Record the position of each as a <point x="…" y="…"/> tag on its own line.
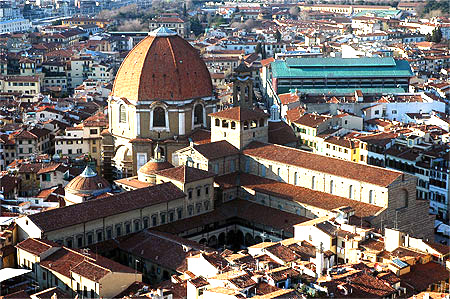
<point x="8" y="273"/>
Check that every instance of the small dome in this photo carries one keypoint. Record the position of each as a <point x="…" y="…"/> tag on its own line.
<point x="153" y="166"/>
<point x="88" y="182"/>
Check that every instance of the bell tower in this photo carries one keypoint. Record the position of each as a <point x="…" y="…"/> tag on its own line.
<point x="242" y="86"/>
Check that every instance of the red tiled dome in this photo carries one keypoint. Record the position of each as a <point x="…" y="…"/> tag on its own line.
<point x="87" y="182"/>
<point x="162" y="66"/>
<point x="152" y="167"/>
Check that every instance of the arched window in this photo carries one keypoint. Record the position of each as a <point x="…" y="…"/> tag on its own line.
<point x="331" y="186"/>
<point x="254" y="124"/>
<point x="295" y="178"/>
<point x="159" y="117"/>
<point x="245" y="125"/>
<point x="122" y="114"/>
<point x="350" y="192"/>
<point x="198" y="115"/>
<point x="371" y="196"/>
<point x="233" y="125"/>
<point x="217" y="122"/>
<point x="313" y="182"/>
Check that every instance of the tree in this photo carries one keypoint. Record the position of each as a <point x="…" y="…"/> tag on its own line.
<point x="249" y="24"/>
<point x="436" y="35"/>
<point x="196" y="26"/>
<point x="132" y="25"/>
<point x="263" y="52"/>
<point x="294" y="11"/>
<point x="258" y="48"/>
<point x="278" y="36"/>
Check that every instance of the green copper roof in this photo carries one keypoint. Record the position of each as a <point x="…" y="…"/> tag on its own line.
<point x="345" y="91"/>
<point x="340" y="62"/>
<point x="368" y="67"/>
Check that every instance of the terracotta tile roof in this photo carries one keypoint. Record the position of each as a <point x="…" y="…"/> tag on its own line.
<point x="83" y="183"/>
<point x="372" y="244"/>
<point x="200" y="136"/>
<point x="441" y="248"/>
<point x="311" y="120"/>
<point x="294" y="114"/>
<point x="97" y="120"/>
<point x="281" y="293"/>
<point x="267" y="61"/>
<point x="281" y="133"/>
<point x="240" y="114"/>
<point x="288" y="98"/>
<point x="24" y="134"/>
<point x="283" y="273"/>
<point x="199" y="282"/>
<point x="104" y="207"/>
<point x="389" y="277"/>
<point x="216" y="150"/>
<point x="36" y="246"/>
<point x="185" y="174"/>
<point x="369" y="174"/>
<point x="91" y="266"/>
<point x="422" y="276"/>
<point x="171" y="252"/>
<point x="152" y="167"/>
<point x="364" y="285"/>
<point x="282" y="252"/>
<point x="163" y="68"/>
<point x="298" y="194"/>
<point x="242" y="209"/>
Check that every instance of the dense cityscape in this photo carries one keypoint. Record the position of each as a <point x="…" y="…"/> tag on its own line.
<point x="224" y="149"/>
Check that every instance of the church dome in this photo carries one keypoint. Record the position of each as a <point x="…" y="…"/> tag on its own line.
<point x="88" y="182"/>
<point x="162" y="66"/>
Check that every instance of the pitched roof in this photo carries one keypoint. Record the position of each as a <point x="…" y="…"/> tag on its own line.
<point x="298" y="194"/>
<point x="240" y="114"/>
<point x="311" y="120"/>
<point x="281" y="133"/>
<point x="95" y="209"/>
<point x="366" y="173"/>
<point x="215" y="150"/>
<point x="36" y="246"/>
<point x="65" y="261"/>
<point x="185" y="174"/>
<point x="170" y="253"/>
